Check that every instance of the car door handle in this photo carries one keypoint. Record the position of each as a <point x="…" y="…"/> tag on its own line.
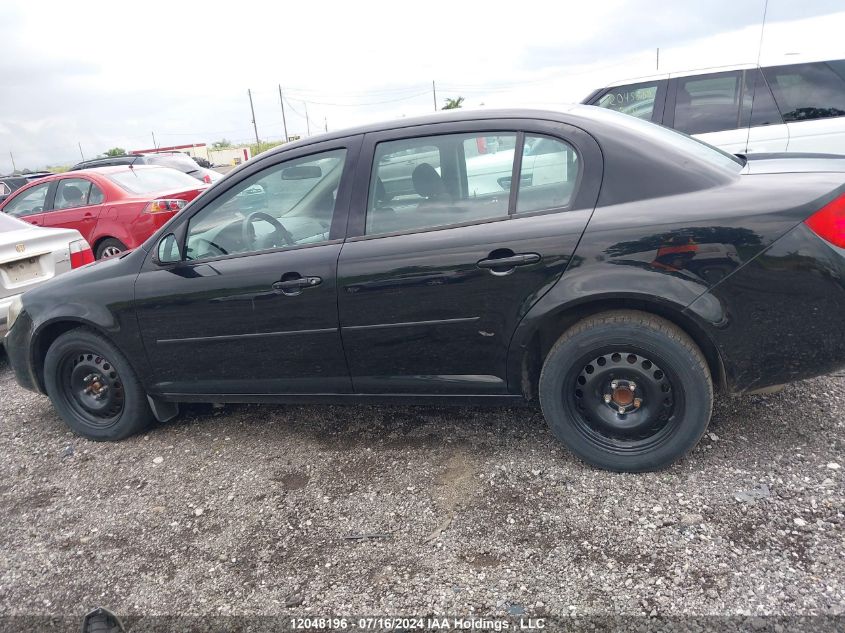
<point x="297" y="285"/>
<point x="506" y="264"/>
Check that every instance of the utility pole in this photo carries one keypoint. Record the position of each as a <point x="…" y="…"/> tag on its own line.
<point x="326" y="123"/>
<point x="154" y="140"/>
<point x="434" y="94"/>
<point x="658" y="58"/>
<point x="14" y="168"/>
<point x="307" y="120"/>
<point x="252" y="109"/>
<point x="284" y="121"/>
<point x="80" y="150"/>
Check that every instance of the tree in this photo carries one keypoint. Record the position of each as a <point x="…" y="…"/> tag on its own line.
<point x="256" y="148"/>
<point x="223" y="143"/>
<point x="116" y="151"/>
<point x="453" y="104"/>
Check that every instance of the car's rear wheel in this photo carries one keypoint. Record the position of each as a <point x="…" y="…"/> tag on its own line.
<point x="93" y="387"/>
<point x="110" y="247"/>
<point x="627" y="391"/>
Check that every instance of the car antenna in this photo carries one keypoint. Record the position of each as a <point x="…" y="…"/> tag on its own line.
<point x="137" y="156"/>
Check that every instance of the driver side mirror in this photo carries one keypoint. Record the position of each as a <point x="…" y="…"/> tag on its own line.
<point x="168" y="250"/>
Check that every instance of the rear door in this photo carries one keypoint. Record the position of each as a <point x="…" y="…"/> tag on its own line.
<point x="432" y="283"/>
<point x="77" y="204"/>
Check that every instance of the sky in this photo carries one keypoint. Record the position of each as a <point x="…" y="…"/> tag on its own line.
<point x="79" y="78"/>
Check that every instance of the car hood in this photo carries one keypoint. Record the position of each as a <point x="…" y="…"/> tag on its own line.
<point x="786" y="163"/>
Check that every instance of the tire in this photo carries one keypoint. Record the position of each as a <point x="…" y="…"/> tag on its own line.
<point x="110" y="247"/>
<point x="94" y="388"/>
<point x="626" y="391"/>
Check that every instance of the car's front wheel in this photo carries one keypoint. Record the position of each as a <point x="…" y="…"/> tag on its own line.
<point x="93" y="387"/>
<point x="626" y="391"/>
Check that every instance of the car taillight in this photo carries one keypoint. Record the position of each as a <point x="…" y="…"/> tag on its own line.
<point x="206" y="179"/>
<point x="80" y="253"/>
<point x="829" y="222"/>
<point x="164" y="206"/>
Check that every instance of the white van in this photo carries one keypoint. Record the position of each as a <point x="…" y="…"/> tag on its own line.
<point x="743" y="109"/>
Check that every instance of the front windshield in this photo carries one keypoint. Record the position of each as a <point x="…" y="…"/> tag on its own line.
<point x="151" y="180"/>
<point x="679" y="140"/>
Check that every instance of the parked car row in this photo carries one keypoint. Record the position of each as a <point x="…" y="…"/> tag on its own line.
<point x="617" y="271"/>
<point x="175" y="160"/>
<point x="743" y="109"/>
<point x="113" y="208"/>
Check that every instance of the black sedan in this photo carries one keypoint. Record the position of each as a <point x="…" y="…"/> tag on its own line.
<point x="616" y="271"/>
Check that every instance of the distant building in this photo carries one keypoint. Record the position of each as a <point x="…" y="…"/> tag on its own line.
<point x="228" y="156"/>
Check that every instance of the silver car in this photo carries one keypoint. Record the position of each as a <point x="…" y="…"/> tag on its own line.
<point x="30" y="255"/>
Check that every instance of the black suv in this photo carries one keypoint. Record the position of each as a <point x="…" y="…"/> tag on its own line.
<point x="175" y="160"/>
<point x="9" y="184"/>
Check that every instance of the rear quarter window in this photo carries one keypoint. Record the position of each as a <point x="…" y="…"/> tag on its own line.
<point x="805" y="92"/>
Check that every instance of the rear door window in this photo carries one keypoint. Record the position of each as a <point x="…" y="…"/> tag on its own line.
<point x="427" y="182"/>
<point x="707" y="103"/>
<point x="808" y="91"/>
<point x="642" y="100"/>
<point x="548" y="174"/>
<point x="71" y="193"/>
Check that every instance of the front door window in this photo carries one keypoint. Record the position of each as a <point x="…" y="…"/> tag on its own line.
<point x="289" y="204"/>
<point x="29" y="202"/>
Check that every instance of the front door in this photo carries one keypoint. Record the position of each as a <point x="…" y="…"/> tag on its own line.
<point x="433" y="281"/>
<point x="248" y="302"/>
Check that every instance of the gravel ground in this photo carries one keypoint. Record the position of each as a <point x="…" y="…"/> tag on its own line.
<point x="296" y="510"/>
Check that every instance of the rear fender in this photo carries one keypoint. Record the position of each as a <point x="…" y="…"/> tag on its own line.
<point x="585" y="290"/>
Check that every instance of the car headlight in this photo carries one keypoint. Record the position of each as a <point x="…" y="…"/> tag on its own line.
<point x="14" y="310"/>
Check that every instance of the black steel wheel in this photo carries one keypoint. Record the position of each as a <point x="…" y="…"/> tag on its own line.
<point x="94" y="388"/>
<point x="626" y="391"/>
<point x="91" y="386"/>
<point x="623" y="400"/>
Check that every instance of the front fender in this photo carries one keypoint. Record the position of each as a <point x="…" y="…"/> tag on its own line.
<point x="99" y="296"/>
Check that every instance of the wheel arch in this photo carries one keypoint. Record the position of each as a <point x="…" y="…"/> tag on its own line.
<point x="529" y="348"/>
<point x="102" y="238"/>
<point x="46" y="334"/>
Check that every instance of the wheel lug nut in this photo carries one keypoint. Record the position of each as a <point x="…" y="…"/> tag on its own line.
<point x="614" y="384"/>
<point x="632" y="386"/>
<point x="607" y="397"/>
<point x="621" y="410"/>
<point x="637" y="402"/>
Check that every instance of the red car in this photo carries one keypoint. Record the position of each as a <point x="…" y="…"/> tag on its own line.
<point x="114" y="208"/>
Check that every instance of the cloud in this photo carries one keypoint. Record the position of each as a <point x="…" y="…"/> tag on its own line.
<point x="112" y="73"/>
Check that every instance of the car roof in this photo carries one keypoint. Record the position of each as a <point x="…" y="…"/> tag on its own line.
<point x="791" y="61"/>
<point x="559" y="113"/>
<point x="112" y="169"/>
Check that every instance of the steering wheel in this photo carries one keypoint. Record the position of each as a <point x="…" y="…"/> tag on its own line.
<point x="210" y="252"/>
<point x="248" y="232"/>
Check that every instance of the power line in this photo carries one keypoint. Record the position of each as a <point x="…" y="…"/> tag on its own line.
<point x="357" y="104"/>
